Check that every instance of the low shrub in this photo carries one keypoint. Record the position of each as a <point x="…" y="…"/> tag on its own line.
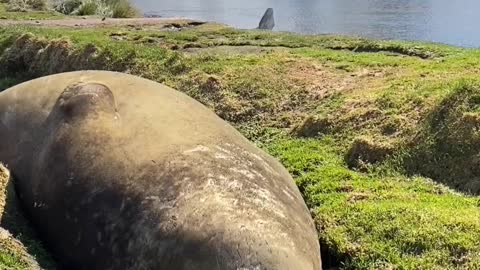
<point x="86" y="8"/>
<point x="106" y="8"/>
<point x="68" y="6"/>
<point x="26" y="5"/>
<point x="122" y="9"/>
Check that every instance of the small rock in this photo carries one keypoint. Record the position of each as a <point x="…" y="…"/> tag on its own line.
<point x="195" y="23"/>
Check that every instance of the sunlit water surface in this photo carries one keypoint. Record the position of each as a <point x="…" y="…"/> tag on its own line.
<point x="453" y="22"/>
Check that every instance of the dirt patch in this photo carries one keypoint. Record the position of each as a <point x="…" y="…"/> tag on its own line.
<point x="370" y="47"/>
<point x="323" y="81"/>
<point x="181" y="25"/>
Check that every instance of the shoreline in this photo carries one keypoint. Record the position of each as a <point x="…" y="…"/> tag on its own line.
<point x="95" y="21"/>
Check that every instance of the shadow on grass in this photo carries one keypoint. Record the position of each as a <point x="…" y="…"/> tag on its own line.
<point x="330" y="259"/>
<point x="449" y="146"/>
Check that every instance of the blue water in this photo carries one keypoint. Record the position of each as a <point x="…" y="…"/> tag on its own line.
<point x="448" y="21"/>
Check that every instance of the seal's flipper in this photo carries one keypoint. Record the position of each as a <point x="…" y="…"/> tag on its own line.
<point x="267" y="22"/>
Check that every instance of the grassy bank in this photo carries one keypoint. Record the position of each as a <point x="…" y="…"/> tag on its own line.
<point x="31" y="15"/>
<point x="381" y="136"/>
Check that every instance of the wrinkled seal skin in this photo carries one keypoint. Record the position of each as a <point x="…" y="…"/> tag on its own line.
<point x="118" y="172"/>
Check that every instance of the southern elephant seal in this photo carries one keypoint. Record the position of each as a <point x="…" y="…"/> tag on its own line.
<point x="119" y="172"/>
<point x="268" y="21"/>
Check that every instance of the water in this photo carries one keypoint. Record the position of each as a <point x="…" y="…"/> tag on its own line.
<point x="448" y="21"/>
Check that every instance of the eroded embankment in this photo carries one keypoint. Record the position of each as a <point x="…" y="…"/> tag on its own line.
<point x="443" y="144"/>
<point x="28" y="57"/>
<point x="447" y="148"/>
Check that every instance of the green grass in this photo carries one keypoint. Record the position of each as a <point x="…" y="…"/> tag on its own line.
<point x="10" y="259"/>
<point x="31" y="15"/>
<point x="373" y="222"/>
<point x="379" y="213"/>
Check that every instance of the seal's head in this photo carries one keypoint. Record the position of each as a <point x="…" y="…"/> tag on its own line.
<point x="85" y="98"/>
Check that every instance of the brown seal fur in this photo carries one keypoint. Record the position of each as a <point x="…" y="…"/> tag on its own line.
<point x="119" y="172"/>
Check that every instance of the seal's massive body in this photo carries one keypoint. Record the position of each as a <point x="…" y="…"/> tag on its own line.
<point x="118" y="172"/>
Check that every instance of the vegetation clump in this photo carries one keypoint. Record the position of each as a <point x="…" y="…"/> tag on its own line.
<point x="25" y="5"/>
<point x="107" y="8"/>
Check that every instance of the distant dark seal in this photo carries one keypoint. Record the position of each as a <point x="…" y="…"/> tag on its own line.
<point x="119" y="172"/>
<point x="267" y="22"/>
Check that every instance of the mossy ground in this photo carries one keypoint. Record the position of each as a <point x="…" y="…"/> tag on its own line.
<point x="307" y="100"/>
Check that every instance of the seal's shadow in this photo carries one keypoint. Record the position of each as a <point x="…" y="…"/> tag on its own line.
<point x="13" y="219"/>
